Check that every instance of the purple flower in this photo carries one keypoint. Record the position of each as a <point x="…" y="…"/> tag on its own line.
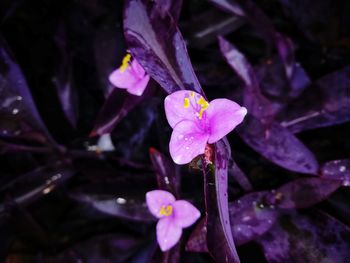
<point x="130" y="76"/>
<point x="173" y="216"/>
<point x="197" y="122"/>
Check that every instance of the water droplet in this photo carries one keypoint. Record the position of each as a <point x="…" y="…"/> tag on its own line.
<point x="186" y="139"/>
<point x="121" y="201"/>
<point x="19" y="98"/>
<point x="15" y="111"/>
<point x="342" y="168"/>
<point x="180" y="136"/>
<point x="187" y="148"/>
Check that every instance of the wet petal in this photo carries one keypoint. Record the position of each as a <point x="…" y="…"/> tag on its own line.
<point x="223" y="116"/>
<point x="123" y="79"/>
<point x="185" y="214"/>
<point x="168" y="233"/>
<point x="156" y="198"/>
<point x="176" y="110"/>
<point x="139" y="87"/>
<point x="187" y="141"/>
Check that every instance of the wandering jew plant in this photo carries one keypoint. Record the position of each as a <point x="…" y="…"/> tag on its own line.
<point x="130" y="76"/>
<point x="80" y="162"/>
<point x="173" y="215"/>
<point x="196" y="122"/>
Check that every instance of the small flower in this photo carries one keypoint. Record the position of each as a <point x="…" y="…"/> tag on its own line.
<point x="173" y="216"/>
<point x="130" y="76"/>
<point x="196" y="122"/>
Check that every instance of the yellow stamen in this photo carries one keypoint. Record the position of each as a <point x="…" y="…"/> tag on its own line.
<point x="186" y="102"/>
<point x="204" y="105"/>
<point x="192" y="94"/>
<point x="125" y="63"/>
<point x="166" y="210"/>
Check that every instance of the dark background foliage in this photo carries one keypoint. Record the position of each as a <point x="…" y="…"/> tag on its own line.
<point x="61" y="200"/>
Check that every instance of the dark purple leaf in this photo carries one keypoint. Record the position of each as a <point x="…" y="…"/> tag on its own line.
<point x="251" y="217"/>
<point x="198" y="239"/>
<point x="18" y="112"/>
<point x="219" y="236"/>
<point x="255" y="102"/>
<point x="276" y="86"/>
<point x="338" y="170"/>
<point x="203" y="30"/>
<point x="158" y="45"/>
<point x="172" y="7"/>
<point x="257" y="18"/>
<point x="304" y="192"/>
<point x="116" y="107"/>
<point x="325" y="103"/>
<point x="240" y="177"/>
<point x="167" y="173"/>
<point x="129" y="209"/>
<point x="63" y="78"/>
<point x="34" y="188"/>
<point x="278" y="145"/>
<point x="313" y="238"/>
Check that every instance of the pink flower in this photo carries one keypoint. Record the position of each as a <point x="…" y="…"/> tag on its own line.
<point x="196" y="122"/>
<point x="173" y="216"/>
<point x="130" y="76"/>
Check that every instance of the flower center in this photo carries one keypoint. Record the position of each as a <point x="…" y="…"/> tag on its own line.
<point x="201" y="102"/>
<point x="166" y="210"/>
<point x="125" y="62"/>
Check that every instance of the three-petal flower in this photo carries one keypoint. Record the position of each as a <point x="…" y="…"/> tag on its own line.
<point x="196" y="122"/>
<point x="130" y="76"/>
<point x="173" y="216"/>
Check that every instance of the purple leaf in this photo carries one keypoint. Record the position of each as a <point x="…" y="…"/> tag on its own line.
<point x="251" y="217"/>
<point x="158" y="46"/>
<point x="256" y="103"/>
<point x="63" y="80"/>
<point x="325" y="103"/>
<point x="240" y="177"/>
<point x="274" y="83"/>
<point x="304" y="192"/>
<point x="17" y="109"/>
<point x="170" y="7"/>
<point x="117" y="206"/>
<point x="312" y="238"/>
<point x="166" y="172"/>
<point x="257" y="18"/>
<point x="115" y="108"/>
<point x="197" y="242"/>
<point x="278" y="145"/>
<point x="219" y="236"/>
<point x="337" y="170"/>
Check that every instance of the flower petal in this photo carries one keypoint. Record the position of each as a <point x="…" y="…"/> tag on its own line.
<point x="168" y="233"/>
<point x="223" y="116"/>
<point x="185" y="214"/>
<point x="156" y="198"/>
<point x="187" y="141"/>
<point x="139" y="87"/>
<point x="123" y="79"/>
<point x="175" y="110"/>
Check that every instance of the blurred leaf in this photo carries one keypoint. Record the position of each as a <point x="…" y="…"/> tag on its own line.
<point x="167" y="172"/>
<point x="325" y="103"/>
<point x="172" y="7"/>
<point x="313" y="238"/>
<point x="17" y="110"/>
